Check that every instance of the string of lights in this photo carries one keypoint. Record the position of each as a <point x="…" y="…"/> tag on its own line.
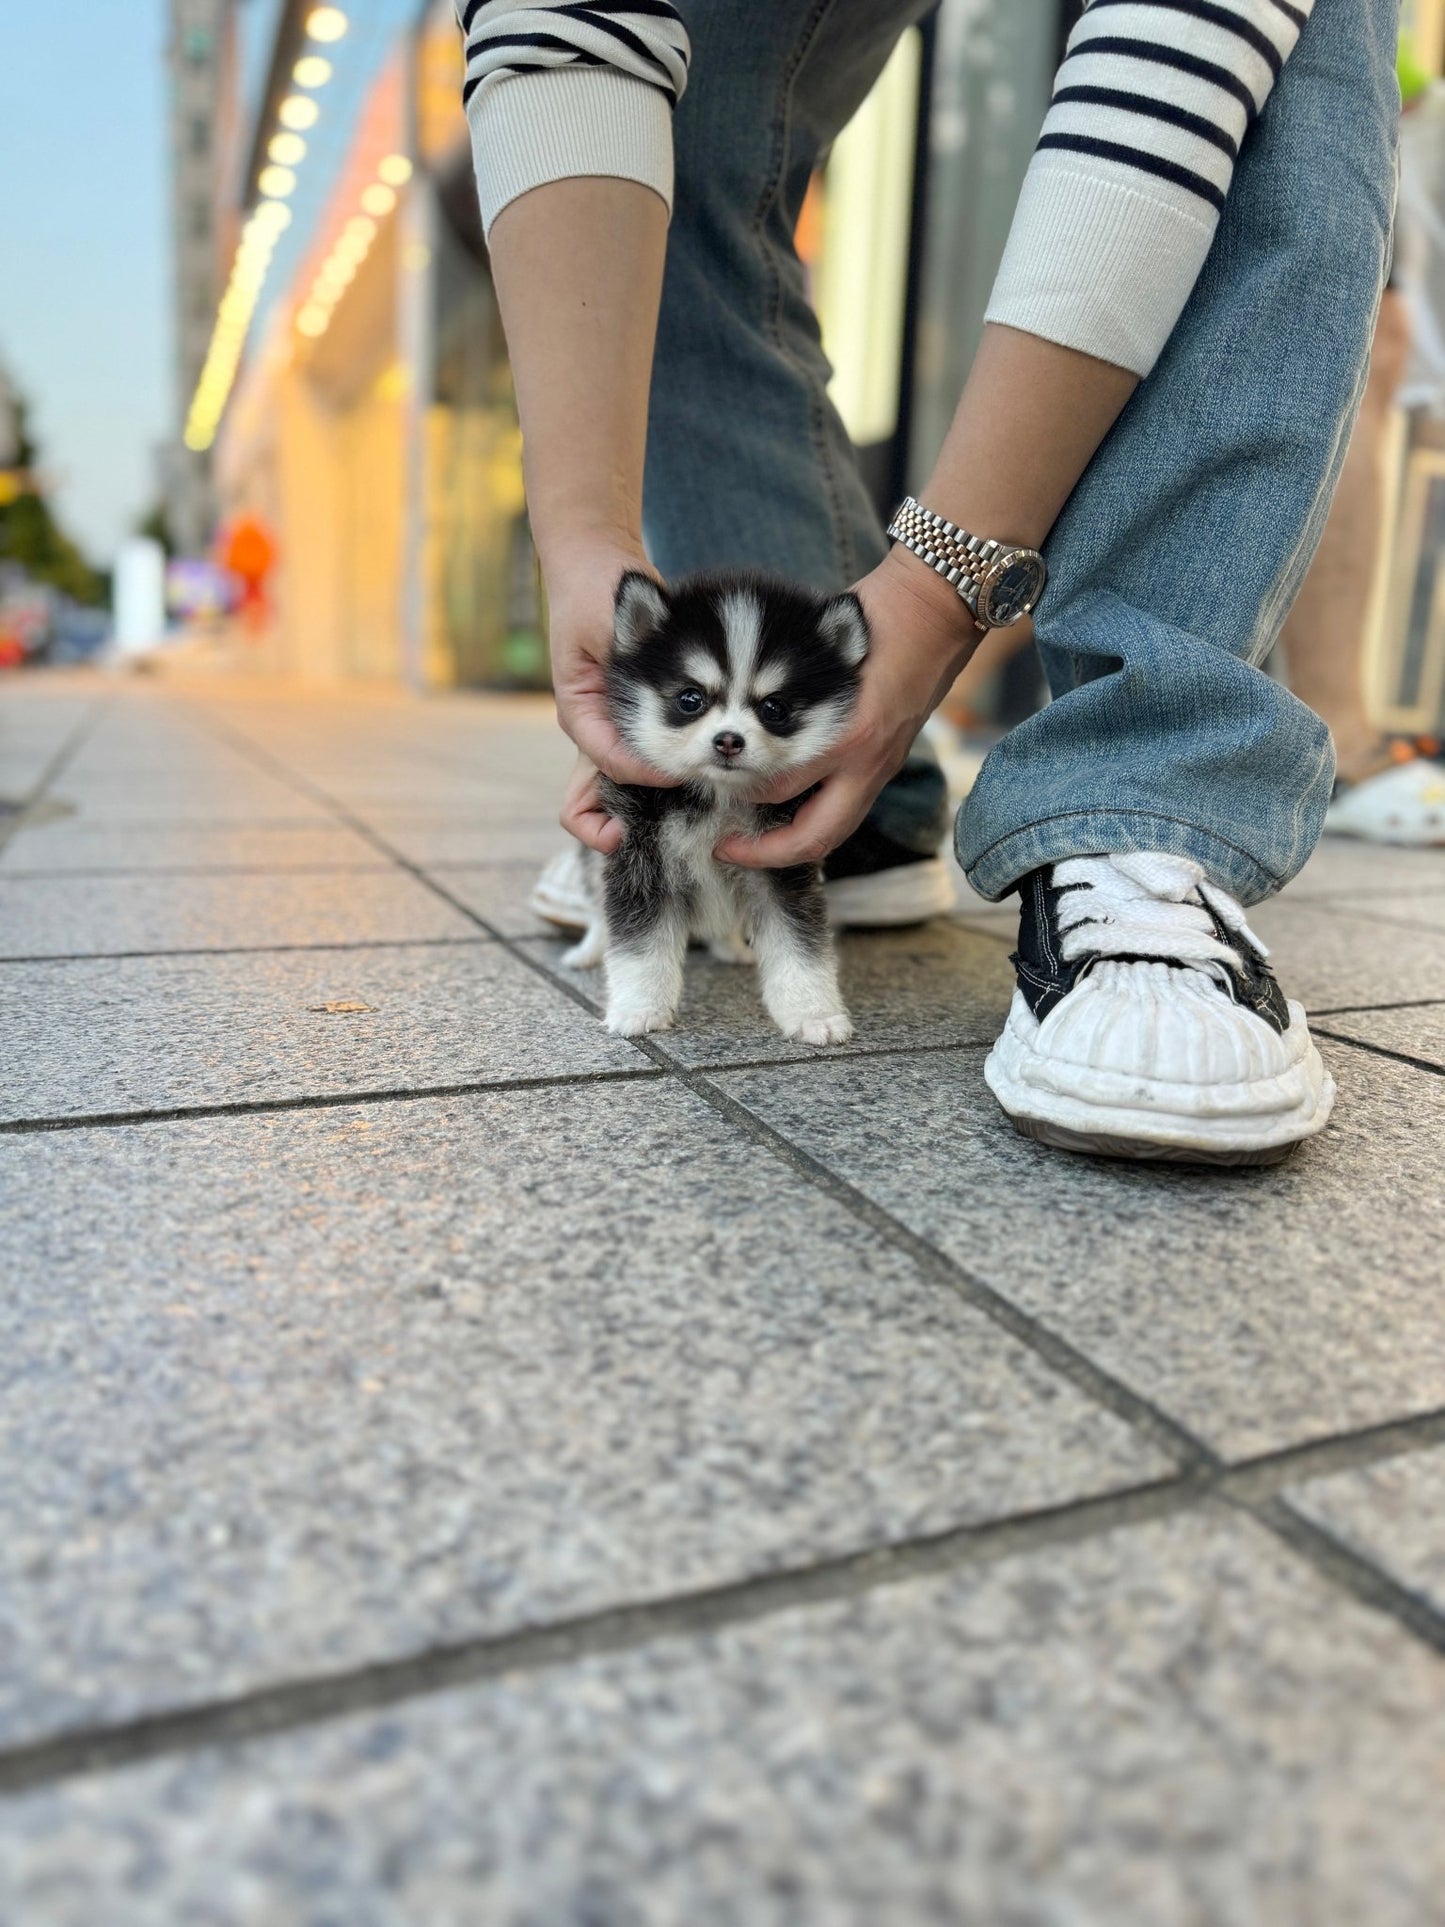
<point x="296" y="115"/>
<point x="352" y="246"/>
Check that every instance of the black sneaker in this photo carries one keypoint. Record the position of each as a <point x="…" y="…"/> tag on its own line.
<point x="1147" y="1022"/>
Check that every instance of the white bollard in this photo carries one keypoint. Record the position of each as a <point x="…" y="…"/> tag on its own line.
<point x="138" y="602"/>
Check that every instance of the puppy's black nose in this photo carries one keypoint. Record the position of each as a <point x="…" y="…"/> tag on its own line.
<point x="728" y="743"/>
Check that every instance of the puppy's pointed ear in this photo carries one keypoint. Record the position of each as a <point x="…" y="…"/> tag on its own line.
<point x="640" y="612"/>
<point x="844" y="624"/>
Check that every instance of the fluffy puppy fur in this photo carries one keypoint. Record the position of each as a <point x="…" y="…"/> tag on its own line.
<point x="725" y="682"/>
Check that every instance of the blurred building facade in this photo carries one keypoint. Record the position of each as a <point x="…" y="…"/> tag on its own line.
<point x="205" y="130"/>
<point x="373" y="429"/>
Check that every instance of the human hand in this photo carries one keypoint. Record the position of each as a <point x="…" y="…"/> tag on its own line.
<point x="922" y="635"/>
<point x="581" y="587"/>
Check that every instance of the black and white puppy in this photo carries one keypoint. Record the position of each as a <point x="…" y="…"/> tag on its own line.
<point x="725" y="682"/>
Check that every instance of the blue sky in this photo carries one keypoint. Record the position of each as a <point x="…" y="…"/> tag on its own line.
<point x="85" y="269"/>
<point x="84" y="261"/>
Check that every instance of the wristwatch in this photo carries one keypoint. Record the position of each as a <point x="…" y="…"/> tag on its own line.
<point x="999" y="582"/>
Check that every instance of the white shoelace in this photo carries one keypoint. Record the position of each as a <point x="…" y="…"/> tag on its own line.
<point x="1148" y="904"/>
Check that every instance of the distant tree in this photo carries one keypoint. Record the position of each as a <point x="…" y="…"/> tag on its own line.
<point x="156" y="524"/>
<point x="29" y="532"/>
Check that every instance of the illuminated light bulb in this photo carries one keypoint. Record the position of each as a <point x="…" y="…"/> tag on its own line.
<point x="325" y="24"/>
<point x="298" y="112"/>
<point x="313" y="320"/>
<point x="278" y="182"/>
<point x="359" y="228"/>
<point x="395" y="170"/>
<point x="311" y="71"/>
<point x="272" y="216"/>
<point x="288" y="149"/>
<point x="377" y="199"/>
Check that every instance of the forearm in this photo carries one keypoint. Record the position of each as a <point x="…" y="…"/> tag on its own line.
<point x="578" y="271"/>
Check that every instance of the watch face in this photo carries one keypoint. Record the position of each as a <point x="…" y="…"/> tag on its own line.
<point x="1014" y="590"/>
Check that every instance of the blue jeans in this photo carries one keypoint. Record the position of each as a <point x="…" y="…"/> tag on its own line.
<point x="1180" y="551"/>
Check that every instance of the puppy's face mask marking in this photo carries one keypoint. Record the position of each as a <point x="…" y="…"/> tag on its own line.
<point x="732" y="683"/>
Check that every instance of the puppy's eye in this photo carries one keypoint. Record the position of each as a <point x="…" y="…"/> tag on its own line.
<point x="692" y="702"/>
<point x="773" y="712"/>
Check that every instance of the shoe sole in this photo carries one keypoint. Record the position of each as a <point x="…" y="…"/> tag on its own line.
<point x="1104" y="1144"/>
<point x="1073" y="1123"/>
<point x="886" y="900"/>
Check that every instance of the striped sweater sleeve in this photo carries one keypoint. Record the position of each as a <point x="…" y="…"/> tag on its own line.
<point x="560" y="88"/>
<point x="1125" y="189"/>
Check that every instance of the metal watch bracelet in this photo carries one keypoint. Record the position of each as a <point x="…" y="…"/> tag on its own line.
<point x="972" y="564"/>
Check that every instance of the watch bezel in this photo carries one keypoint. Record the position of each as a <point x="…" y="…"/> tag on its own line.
<point x="999" y="566"/>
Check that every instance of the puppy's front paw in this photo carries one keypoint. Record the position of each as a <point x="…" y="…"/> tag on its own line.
<point x="633" y="1020"/>
<point x="834" y="1029"/>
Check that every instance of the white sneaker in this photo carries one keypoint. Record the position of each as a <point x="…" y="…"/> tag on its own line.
<point x="1147" y="1024"/>
<point x="1405" y="804"/>
<point x="565" y="892"/>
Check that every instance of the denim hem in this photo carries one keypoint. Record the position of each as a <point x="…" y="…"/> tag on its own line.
<point x="998" y="870"/>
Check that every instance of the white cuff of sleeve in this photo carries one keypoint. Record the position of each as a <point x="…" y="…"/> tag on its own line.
<point x="566" y="122"/>
<point x="1096" y="263"/>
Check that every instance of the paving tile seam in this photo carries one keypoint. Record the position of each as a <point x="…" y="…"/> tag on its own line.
<point x="1381" y="1050"/>
<point x="1346" y="1570"/>
<point x="404" y="1093"/>
<point x="199" y="870"/>
<point x="1251" y="1486"/>
<point x="313" y="1699"/>
<point x="86" y="724"/>
<point x="319" y="1101"/>
<point x="1366" y="1010"/>
<point x="343" y="814"/>
<point x="252" y="950"/>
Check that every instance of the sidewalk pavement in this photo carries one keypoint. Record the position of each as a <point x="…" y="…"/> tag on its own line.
<point x="458" y="1467"/>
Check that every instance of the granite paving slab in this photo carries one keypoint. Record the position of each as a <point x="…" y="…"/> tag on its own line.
<point x="1392" y="1512"/>
<point x="447" y="841"/>
<point x="1177" y="1723"/>
<point x="1259" y="1307"/>
<point x="1324" y="956"/>
<point x="64" y="843"/>
<point x="1417" y="1032"/>
<point x="186" y="801"/>
<point x="154" y="1033"/>
<point x="1345" y="867"/>
<point x="97" y="916"/>
<point x="293" y="1392"/>
<point x="497" y="892"/>
<point x="937" y="985"/>
<point x="1422" y="908"/>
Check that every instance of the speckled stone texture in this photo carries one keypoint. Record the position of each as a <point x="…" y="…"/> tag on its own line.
<point x="97" y="916"/>
<point x="1176" y="1724"/>
<point x="1393" y="1513"/>
<point x="1417" y="1032"/>
<point x="939" y="985"/>
<point x="108" y="1035"/>
<point x="1347" y="869"/>
<point x="293" y="1392"/>
<point x="65" y="845"/>
<point x="1259" y="1307"/>
<point x="1327" y="954"/>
